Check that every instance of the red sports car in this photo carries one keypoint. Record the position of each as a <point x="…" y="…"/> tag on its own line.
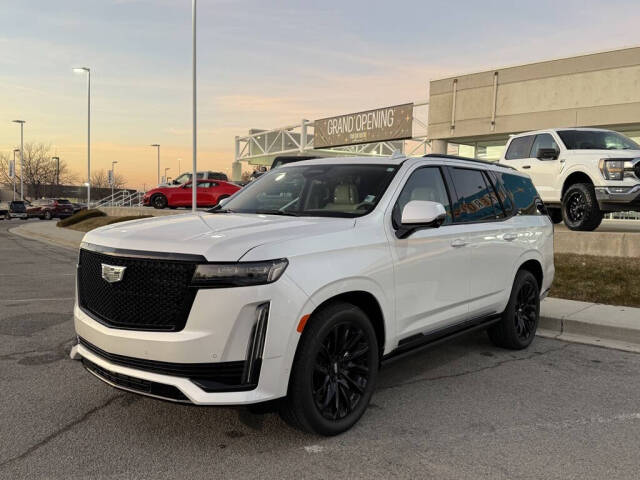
<point x="210" y="192"/>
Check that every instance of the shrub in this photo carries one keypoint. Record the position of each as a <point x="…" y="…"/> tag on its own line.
<point x="80" y="216"/>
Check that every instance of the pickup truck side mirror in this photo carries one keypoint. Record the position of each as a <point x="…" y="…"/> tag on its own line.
<point x="420" y="214"/>
<point x="547" y="154"/>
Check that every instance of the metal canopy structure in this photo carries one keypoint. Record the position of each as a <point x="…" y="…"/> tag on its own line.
<point x="259" y="147"/>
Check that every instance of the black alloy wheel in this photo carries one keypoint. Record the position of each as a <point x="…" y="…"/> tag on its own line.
<point x="341" y="371"/>
<point x="526" y="311"/>
<point x="47" y="215"/>
<point x="576" y="206"/>
<point x="159" y="201"/>
<point x="580" y="208"/>
<point x="517" y="327"/>
<point x="334" y="371"/>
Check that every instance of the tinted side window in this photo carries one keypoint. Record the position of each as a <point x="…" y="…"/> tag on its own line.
<point x="519" y="148"/>
<point x="503" y="194"/>
<point x="475" y="200"/>
<point x="544" y="140"/>
<point x="523" y="193"/>
<point x="423" y="184"/>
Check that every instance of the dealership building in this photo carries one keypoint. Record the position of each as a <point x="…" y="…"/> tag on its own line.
<point x="472" y="114"/>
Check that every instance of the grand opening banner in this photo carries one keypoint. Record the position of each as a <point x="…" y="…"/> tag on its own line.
<point x="381" y="124"/>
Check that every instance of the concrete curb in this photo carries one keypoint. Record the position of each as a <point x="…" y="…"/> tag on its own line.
<point x="591" y="323"/>
<point x="48" y="232"/>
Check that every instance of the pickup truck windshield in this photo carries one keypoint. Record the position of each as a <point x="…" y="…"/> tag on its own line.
<point x="314" y="190"/>
<point x="596" y="140"/>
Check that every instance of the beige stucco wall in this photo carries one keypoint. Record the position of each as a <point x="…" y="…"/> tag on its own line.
<point x="601" y="89"/>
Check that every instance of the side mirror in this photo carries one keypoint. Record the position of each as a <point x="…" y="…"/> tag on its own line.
<point x="223" y="201"/>
<point x="547" y="154"/>
<point x="419" y="214"/>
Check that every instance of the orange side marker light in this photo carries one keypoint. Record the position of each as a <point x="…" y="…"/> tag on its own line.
<point x="302" y="323"/>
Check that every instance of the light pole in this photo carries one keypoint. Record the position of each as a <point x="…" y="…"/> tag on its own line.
<point x="88" y="70"/>
<point x="57" y="159"/>
<point x="113" y="178"/>
<point x="179" y="169"/>
<point x="165" y="173"/>
<point x="157" y="145"/>
<point x="21" y="122"/>
<point x="194" y="178"/>
<point x="14" y="172"/>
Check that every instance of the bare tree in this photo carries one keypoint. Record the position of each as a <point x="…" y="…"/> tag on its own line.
<point x="100" y="179"/>
<point x="39" y="168"/>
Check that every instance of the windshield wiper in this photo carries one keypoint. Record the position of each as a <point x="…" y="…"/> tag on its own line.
<point x="277" y="212"/>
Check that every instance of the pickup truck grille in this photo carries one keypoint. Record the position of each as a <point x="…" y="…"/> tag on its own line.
<point x="153" y="294"/>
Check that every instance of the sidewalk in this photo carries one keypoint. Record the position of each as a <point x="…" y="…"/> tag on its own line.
<point x="46" y="231"/>
<point x="580" y="322"/>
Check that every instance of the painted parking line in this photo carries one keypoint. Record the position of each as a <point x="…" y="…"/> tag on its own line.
<point x="4" y="300"/>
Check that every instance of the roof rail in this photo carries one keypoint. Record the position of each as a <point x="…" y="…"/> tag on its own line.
<point x="467" y="159"/>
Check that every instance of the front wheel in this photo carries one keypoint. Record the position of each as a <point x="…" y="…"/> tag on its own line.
<point x="519" y="322"/>
<point x="580" y="209"/>
<point x="47" y="215"/>
<point x="159" y="202"/>
<point x="334" y="372"/>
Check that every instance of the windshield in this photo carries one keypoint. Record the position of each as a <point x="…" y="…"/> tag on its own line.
<point x="315" y="190"/>
<point x="596" y="140"/>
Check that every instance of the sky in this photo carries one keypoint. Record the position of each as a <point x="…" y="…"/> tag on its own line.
<point x="261" y="64"/>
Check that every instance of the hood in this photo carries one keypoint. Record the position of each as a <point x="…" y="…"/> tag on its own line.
<point x="223" y="237"/>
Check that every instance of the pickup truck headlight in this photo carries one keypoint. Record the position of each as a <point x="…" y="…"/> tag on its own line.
<point x="239" y="274"/>
<point x="612" y="169"/>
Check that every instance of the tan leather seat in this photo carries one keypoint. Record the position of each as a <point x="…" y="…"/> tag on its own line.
<point x="345" y="198"/>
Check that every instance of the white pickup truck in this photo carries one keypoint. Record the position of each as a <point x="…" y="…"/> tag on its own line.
<point x="580" y="173"/>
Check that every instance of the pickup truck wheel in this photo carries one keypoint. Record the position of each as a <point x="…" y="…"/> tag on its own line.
<point x="47" y="215"/>
<point x="334" y="372"/>
<point x="555" y="214"/>
<point x="159" y="201"/>
<point x="580" y="209"/>
<point x="519" y="322"/>
<point x="7" y="216"/>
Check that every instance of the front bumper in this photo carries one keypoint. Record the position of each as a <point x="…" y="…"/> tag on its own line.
<point x="18" y="215"/>
<point x="217" y="337"/>
<point x="618" y="199"/>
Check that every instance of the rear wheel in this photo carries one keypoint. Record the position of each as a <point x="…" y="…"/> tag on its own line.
<point x="555" y="214"/>
<point x="47" y="215"/>
<point x="520" y="319"/>
<point x="580" y="209"/>
<point x="159" y="201"/>
<point x="7" y="216"/>
<point x="334" y="373"/>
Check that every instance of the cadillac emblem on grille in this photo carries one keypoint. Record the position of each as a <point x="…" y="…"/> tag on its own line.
<point x="112" y="273"/>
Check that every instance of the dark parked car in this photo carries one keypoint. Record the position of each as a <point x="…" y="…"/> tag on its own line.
<point x="78" y="207"/>
<point x="48" y="208"/>
<point x="17" y="209"/>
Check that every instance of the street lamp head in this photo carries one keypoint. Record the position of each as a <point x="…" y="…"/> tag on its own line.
<point x="16" y="150"/>
<point x="155" y="145"/>
<point x="19" y="121"/>
<point x="81" y="69"/>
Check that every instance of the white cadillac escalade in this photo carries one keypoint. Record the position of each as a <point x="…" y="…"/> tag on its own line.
<point x="303" y="283"/>
<point x="581" y="173"/>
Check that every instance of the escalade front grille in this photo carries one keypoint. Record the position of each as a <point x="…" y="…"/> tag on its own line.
<point x="636" y="169"/>
<point x="153" y="294"/>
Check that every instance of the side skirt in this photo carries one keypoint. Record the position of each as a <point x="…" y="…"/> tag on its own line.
<point x="422" y="341"/>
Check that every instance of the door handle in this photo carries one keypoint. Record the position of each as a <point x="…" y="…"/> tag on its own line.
<point x="509" y="237"/>
<point x="526" y="166"/>
<point x="458" y="242"/>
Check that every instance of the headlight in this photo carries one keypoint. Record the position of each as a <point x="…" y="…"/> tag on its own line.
<point x="612" y="169"/>
<point x="240" y="274"/>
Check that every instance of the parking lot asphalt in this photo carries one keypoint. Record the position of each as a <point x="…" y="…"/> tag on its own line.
<point x="462" y="410"/>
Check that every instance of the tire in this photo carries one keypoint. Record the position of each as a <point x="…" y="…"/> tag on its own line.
<point x="520" y="319"/>
<point x="580" y="209"/>
<point x="7" y="216"/>
<point x="555" y="214"/>
<point x="159" y="201"/>
<point x="47" y="215"/>
<point x="322" y="367"/>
